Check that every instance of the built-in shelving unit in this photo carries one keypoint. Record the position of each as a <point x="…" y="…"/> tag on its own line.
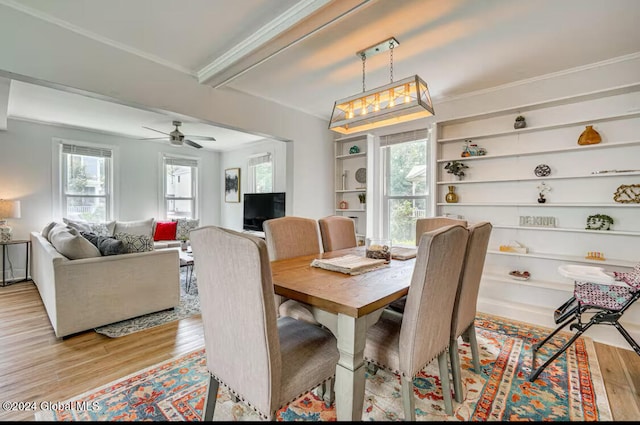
<point x="351" y="155"/>
<point x="501" y="187"/>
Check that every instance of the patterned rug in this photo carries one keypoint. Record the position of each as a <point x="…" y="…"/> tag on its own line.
<point x="570" y="389"/>
<point x="189" y="305"/>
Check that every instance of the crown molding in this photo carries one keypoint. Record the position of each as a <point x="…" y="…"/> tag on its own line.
<point x="94" y="36"/>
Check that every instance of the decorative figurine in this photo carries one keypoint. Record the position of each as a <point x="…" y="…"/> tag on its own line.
<point x="344" y="205"/>
<point x="542" y="189"/>
<point x="354" y="149"/>
<point x="595" y="255"/>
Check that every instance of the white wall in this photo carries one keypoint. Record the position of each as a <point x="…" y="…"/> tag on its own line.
<point x="230" y="212"/>
<point x="26" y="151"/>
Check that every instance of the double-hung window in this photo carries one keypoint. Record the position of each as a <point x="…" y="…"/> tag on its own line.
<point x="260" y="169"/>
<point x="180" y="176"/>
<point x="86" y="177"/>
<point x="406" y="184"/>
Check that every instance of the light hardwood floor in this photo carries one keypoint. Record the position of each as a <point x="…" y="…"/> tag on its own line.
<point x="36" y="366"/>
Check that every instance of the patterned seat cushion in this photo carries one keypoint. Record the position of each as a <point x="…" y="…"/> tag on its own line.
<point x="631" y="278"/>
<point x="611" y="297"/>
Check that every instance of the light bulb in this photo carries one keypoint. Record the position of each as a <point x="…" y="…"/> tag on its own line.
<point x="392" y="101"/>
<point x="376" y="103"/>
<point x="350" y="110"/>
<point x="407" y="98"/>
<point x="363" y="104"/>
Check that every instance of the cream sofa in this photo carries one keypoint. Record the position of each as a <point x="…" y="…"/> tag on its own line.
<point x="86" y="293"/>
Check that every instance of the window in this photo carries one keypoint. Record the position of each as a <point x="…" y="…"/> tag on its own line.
<point x="406" y="188"/>
<point x="179" y="182"/>
<point x="86" y="182"/>
<point x="260" y="174"/>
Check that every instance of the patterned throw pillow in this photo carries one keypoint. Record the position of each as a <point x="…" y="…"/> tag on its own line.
<point x="135" y="243"/>
<point x="631" y="278"/>
<point x="185" y="225"/>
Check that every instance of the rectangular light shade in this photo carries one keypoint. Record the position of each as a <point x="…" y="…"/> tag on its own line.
<point x="397" y="102"/>
<point x="9" y="209"/>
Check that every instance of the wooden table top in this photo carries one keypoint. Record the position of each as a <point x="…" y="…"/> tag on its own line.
<point x="337" y="292"/>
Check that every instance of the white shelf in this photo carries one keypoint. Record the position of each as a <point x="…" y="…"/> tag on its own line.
<point x="520" y="110"/>
<point x="350" y="210"/>
<point x="362" y="189"/>
<point x="524" y="204"/>
<point x="564" y="229"/>
<point x="352" y="155"/>
<point x="560" y="150"/>
<point x="558" y="286"/>
<point x="524" y="179"/>
<point x="561" y="257"/>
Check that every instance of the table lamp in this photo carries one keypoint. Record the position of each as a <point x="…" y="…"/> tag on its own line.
<point x="8" y="209"/>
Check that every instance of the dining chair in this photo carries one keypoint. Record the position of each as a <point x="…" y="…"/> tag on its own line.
<point x="428" y="224"/>
<point x="406" y="343"/>
<point x="264" y="361"/>
<point x="289" y="237"/>
<point x="464" y="309"/>
<point x="423" y="225"/>
<point x="337" y="232"/>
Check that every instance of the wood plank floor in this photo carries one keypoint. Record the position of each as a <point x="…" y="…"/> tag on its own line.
<point x="36" y="366"/>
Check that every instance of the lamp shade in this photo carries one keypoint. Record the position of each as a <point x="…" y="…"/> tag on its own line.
<point x="9" y="209"/>
<point x="397" y="102"/>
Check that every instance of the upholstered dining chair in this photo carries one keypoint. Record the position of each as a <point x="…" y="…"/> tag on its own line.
<point x="289" y="237"/>
<point x="464" y="310"/>
<point x="265" y="361"/>
<point x="428" y="224"/>
<point x="406" y="343"/>
<point x="337" y="232"/>
<point x="423" y="225"/>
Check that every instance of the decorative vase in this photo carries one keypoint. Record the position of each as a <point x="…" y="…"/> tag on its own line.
<point x="589" y="136"/>
<point x="451" y="197"/>
<point x="541" y="200"/>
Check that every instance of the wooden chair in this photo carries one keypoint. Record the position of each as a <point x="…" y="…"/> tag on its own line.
<point x="406" y="343"/>
<point x="337" y="232"/>
<point x="464" y="310"/>
<point x="264" y="361"/>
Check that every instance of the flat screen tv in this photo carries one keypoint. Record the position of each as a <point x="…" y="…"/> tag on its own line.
<point x="259" y="207"/>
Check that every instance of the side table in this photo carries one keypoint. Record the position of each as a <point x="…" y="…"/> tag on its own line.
<point x="5" y="253"/>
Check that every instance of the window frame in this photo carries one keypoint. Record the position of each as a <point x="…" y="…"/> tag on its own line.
<point x="59" y="174"/>
<point x="194" y="163"/>
<point x="255" y="160"/>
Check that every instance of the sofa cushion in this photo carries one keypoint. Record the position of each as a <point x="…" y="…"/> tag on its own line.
<point x="165" y="231"/>
<point x="68" y="242"/>
<point x="100" y="229"/>
<point x="47" y="229"/>
<point x="138" y="227"/>
<point x="135" y="243"/>
<point x="184" y="226"/>
<point x="107" y="245"/>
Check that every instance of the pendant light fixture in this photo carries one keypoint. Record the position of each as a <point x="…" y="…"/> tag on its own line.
<point x="396" y="102"/>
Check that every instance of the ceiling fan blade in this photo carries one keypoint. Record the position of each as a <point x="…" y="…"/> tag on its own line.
<point x="192" y="143"/>
<point x="157" y="131"/>
<point x="154" y="138"/>
<point x="201" y="138"/>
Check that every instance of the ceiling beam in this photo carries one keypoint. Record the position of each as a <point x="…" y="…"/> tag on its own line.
<point x="299" y="22"/>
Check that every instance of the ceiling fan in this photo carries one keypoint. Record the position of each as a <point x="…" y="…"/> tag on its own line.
<point x="177" y="138"/>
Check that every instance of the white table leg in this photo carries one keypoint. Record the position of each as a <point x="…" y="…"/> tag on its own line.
<point x="350" y="369"/>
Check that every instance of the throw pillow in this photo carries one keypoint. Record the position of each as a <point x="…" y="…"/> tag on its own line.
<point x="165" y="231"/>
<point x="80" y="225"/>
<point x="107" y="245"/>
<point x="185" y="225"/>
<point x="135" y="243"/>
<point x="139" y="227"/>
<point x="47" y="229"/>
<point x="68" y="242"/>
<point x="101" y="229"/>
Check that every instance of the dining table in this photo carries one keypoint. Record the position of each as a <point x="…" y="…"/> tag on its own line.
<point x="347" y="305"/>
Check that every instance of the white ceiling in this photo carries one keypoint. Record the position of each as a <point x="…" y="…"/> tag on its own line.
<point x="456" y="46"/>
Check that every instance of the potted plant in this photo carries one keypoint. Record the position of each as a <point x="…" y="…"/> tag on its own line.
<point x="520" y="122"/>
<point x="456" y="168"/>
<point x="542" y="189"/>
<point x="599" y="222"/>
<point x="363" y="198"/>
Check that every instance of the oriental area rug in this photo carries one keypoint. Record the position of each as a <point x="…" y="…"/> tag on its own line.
<point x="570" y="389"/>
<point x="189" y="305"/>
